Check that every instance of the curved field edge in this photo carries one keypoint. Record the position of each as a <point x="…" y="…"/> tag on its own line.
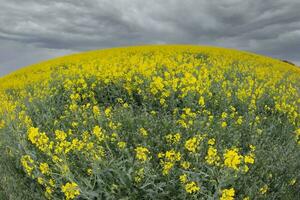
<point x="180" y="122"/>
<point x="42" y="71"/>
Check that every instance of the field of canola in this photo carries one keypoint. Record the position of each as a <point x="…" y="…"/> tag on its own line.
<point x="151" y="122"/>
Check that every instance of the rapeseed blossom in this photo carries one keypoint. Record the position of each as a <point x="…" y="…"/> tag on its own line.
<point x="212" y="156"/>
<point x="232" y="158"/>
<point x="264" y="189"/>
<point x="70" y="190"/>
<point x="44" y="167"/>
<point x="142" y="153"/>
<point x="121" y="145"/>
<point x="183" y="178"/>
<point x="28" y="164"/>
<point x="165" y="119"/>
<point x="228" y="194"/>
<point x="191" y="187"/>
<point x="192" y="144"/>
<point x="143" y="132"/>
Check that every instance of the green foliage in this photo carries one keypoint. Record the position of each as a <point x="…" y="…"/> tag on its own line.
<point x="218" y="131"/>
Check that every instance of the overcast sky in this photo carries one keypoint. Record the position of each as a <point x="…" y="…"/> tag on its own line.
<point x="36" y="30"/>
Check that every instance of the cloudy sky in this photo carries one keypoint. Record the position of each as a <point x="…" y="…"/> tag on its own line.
<point x="36" y="30"/>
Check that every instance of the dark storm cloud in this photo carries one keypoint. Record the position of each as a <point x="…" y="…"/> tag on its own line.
<point x="43" y="28"/>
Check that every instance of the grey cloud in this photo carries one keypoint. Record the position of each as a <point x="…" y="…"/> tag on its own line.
<point x="269" y="27"/>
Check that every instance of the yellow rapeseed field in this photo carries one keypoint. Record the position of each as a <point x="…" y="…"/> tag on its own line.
<point x="152" y="122"/>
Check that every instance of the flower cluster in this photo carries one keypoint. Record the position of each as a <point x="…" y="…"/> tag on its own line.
<point x="157" y="122"/>
<point x="70" y="190"/>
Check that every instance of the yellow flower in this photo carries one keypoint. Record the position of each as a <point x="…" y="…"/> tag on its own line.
<point x="74" y="124"/>
<point x="228" y="194"/>
<point x="44" y="167"/>
<point x="120" y="100"/>
<point x="188" y="112"/>
<point x="121" y="145"/>
<point x="125" y="105"/>
<point x="65" y="169"/>
<point x="239" y="121"/>
<point x="77" y="144"/>
<point x="233" y="109"/>
<point x="292" y="181"/>
<point x="232" y="159"/>
<point x="212" y="156"/>
<point x="75" y="96"/>
<point x="96" y="110"/>
<point x="27" y="163"/>
<point x="143" y="132"/>
<point x="56" y="159"/>
<point x="40" y="180"/>
<point x="167" y="166"/>
<point x="183" y="178"/>
<point x="160" y="155"/>
<point x="211" y="141"/>
<point x="169" y="138"/>
<point x="41" y="140"/>
<point x="191" y="187"/>
<point x="153" y="76"/>
<point x="182" y="123"/>
<point x="298" y="132"/>
<point x="223" y="124"/>
<point x="249" y="159"/>
<point x="114" y="137"/>
<point x="185" y="164"/>
<point x="259" y="131"/>
<point x="156" y="85"/>
<point x="252" y="147"/>
<point x="224" y="115"/>
<point x="2" y="124"/>
<point x="153" y="112"/>
<point x="201" y="101"/>
<point x="73" y="107"/>
<point x="89" y="171"/>
<point x="142" y="153"/>
<point x="298" y="135"/>
<point x="192" y="144"/>
<point x="245" y="168"/>
<point x="52" y="182"/>
<point x="172" y="155"/>
<point x="71" y="190"/>
<point x="139" y="175"/>
<point x="48" y="192"/>
<point x="60" y="135"/>
<point x="107" y="112"/>
<point x="264" y="189"/>
<point x="162" y="101"/>
<point x="176" y="138"/>
<point x="173" y="138"/>
<point x="97" y="131"/>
